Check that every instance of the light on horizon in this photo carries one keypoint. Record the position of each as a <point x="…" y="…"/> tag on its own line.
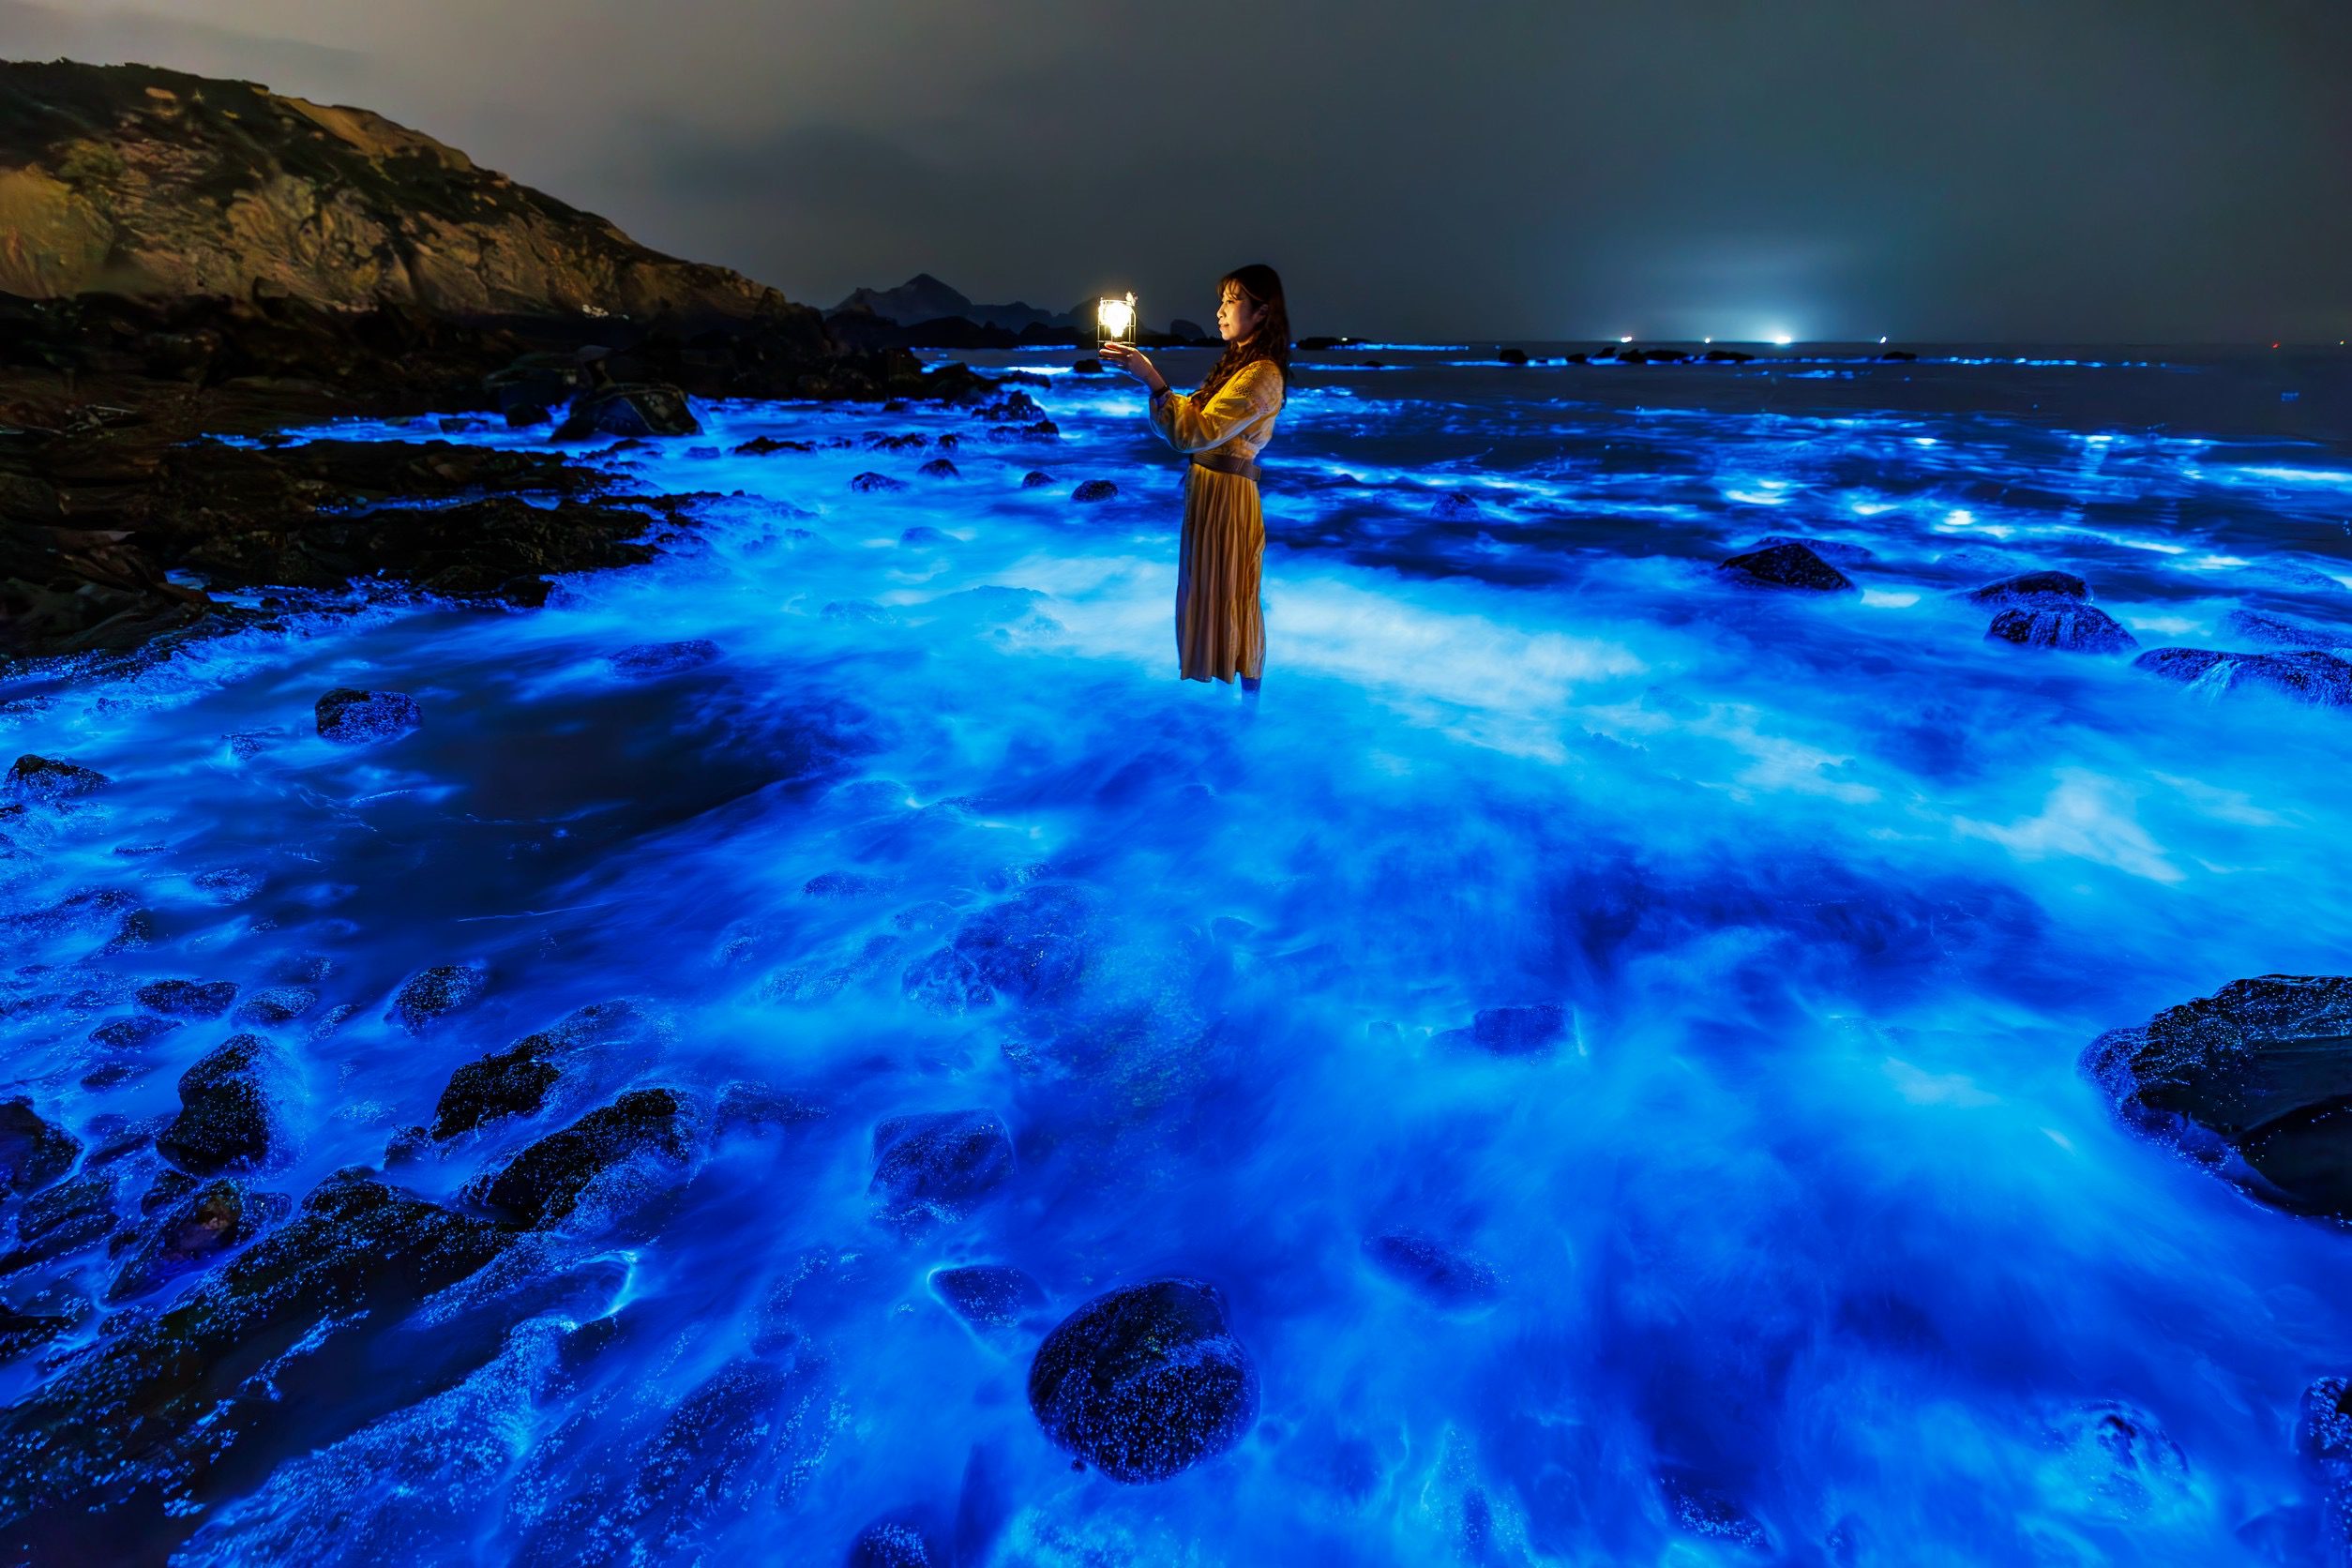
<point x="1627" y="338"/>
<point x="1782" y="339"/>
<point x="1882" y="336"/>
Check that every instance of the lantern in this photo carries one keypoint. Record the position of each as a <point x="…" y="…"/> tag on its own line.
<point x="1115" y="319"/>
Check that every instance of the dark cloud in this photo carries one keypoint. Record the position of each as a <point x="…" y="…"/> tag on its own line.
<point x="2142" y="169"/>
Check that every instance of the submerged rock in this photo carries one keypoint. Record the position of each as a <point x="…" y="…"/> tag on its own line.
<point x="868" y="483"/>
<point x="2113" y="1460"/>
<point x="1701" y="1509"/>
<point x="275" y="1004"/>
<point x="2283" y="631"/>
<point x="187" y="999"/>
<point x="2306" y="675"/>
<point x="1431" y="1268"/>
<point x="1789" y="566"/>
<point x="350" y="717"/>
<point x="34" y="1151"/>
<point x="1034" y="945"/>
<point x="49" y="780"/>
<point x="2031" y="588"/>
<point x="992" y="1295"/>
<point x="1036" y="478"/>
<point x="1529" y="1029"/>
<point x="1145" y="1381"/>
<point x="1828" y="549"/>
<point x="434" y="993"/>
<point x="512" y="1082"/>
<point x="2083" y="628"/>
<point x="544" y="1182"/>
<point x="1456" y="506"/>
<point x="2255" y="1079"/>
<point x="229" y="1118"/>
<point x="1095" y="490"/>
<point x="63" y="1218"/>
<point x="644" y="659"/>
<point x="937" y="1164"/>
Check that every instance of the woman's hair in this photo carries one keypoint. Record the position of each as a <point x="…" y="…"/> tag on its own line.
<point x="1272" y="340"/>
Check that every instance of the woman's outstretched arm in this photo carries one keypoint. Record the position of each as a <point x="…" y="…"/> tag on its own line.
<point x="1192" y="424"/>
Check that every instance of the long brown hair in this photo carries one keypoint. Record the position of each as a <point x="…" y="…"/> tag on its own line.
<point x="1260" y="284"/>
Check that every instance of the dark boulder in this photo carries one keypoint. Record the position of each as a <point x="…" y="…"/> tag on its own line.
<point x="627" y="409"/>
<point x="1698" y="1508"/>
<point x="49" y="780"/>
<point x="2284" y="631"/>
<point x="434" y="993"/>
<point x="1832" y="550"/>
<point x="1145" y="1381"/>
<point x="217" y="1216"/>
<point x="275" y="1005"/>
<point x="34" y="1151"/>
<point x="1528" y="1030"/>
<point x="229" y="1116"/>
<point x="63" y="1218"/>
<point x="1034" y="945"/>
<point x="2082" y="629"/>
<point x="1789" y="566"/>
<point x="2119" y="1459"/>
<point x="2031" y="588"/>
<point x="127" y="1033"/>
<point x="1456" y="506"/>
<point x="990" y="1295"/>
<point x="2254" y="1079"/>
<point x="1036" y="478"/>
<point x="1431" y="1268"/>
<point x="512" y="1082"/>
<point x="187" y="999"/>
<point x="892" y="1543"/>
<point x="645" y="659"/>
<point x="1087" y="367"/>
<point x="1512" y="356"/>
<point x="2304" y="675"/>
<point x="1095" y="490"/>
<point x="866" y="484"/>
<point x="940" y="468"/>
<point x="351" y="716"/>
<point x="23" y="1332"/>
<point x="544" y="1183"/>
<point x="936" y="1166"/>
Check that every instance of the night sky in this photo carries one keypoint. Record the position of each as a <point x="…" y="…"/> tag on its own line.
<point x="1995" y="170"/>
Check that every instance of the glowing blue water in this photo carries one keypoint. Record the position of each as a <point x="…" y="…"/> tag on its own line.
<point x="1805" y="1218"/>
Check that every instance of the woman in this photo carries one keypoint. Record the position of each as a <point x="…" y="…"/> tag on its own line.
<point x="1222" y="425"/>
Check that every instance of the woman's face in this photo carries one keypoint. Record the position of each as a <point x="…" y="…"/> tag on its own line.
<point x="1238" y="315"/>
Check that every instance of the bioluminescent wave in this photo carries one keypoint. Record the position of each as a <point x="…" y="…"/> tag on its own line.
<point x="1607" y="1033"/>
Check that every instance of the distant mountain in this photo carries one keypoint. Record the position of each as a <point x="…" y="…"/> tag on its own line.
<point x="139" y="180"/>
<point x="924" y="297"/>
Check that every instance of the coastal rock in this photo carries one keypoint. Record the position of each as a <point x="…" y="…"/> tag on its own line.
<point x="1456" y="506"/>
<point x="936" y="1166"/>
<point x="34" y="1151"/>
<point x="1512" y="356"/>
<point x="2286" y="631"/>
<point x="646" y="660"/>
<point x="2118" y="1463"/>
<point x="435" y="993"/>
<point x="639" y="409"/>
<point x="2305" y="676"/>
<point x="940" y="468"/>
<point x="2083" y="628"/>
<point x="1832" y="550"/>
<point x="1789" y="566"/>
<point x="49" y="780"/>
<point x="1440" y="1273"/>
<point x="869" y="483"/>
<point x="274" y="1006"/>
<point x="217" y="1216"/>
<point x="1036" y="478"/>
<point x="1145" y="1381"/>
<point x="1528" y="1030"/>
<point x="1697" y="1507"/>
<point x="23" y="1332"/>
<point x="512" y="1082"/>
<point x="2031" y="589"/>
<point x="63" y="1218"/>
<point x="988" y="1295"/>
<point x="350" y="717"/>
<point x="1034" y="945"/>
<point x="1095" y="490"/>
<point x="187" y="999"/>
<point x="229" y="1117"/>
<point x="2255" y="1080"/>
<point x="544" y="1182"/>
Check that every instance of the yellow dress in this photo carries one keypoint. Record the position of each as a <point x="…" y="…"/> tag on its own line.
<point x="1220" y="623"/>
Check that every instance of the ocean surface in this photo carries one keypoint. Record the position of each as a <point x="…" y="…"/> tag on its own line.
<point x="1766" y="1216"/>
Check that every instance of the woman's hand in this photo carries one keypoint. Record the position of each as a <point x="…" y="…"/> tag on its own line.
<point x="1127" y="357"/>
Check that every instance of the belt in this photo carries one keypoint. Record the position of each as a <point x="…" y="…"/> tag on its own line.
<point x="1226" y="463"/>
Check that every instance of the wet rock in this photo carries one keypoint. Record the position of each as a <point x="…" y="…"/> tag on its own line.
<point x="23" y="1332"/>
<point x="2031" y="588"/>
<point x="1087" y="367"/>
<point x="947" y="982"/>
<point x="761" y="446"/>
<point x="644" y="659"/>
<point x="275" y="1005"/>
<point x="877" y="441"/>
<point x="1701" y="1509"/>
<point x="50" y="780"/>
<point x="1789" y="566"/>
<point x="1531" y="1029"/>
<point x="1440" y="1274"/>
<point x="1145" y="1381"/>
<point x="1457" y="506"/>
<point x="1036" y="478"/>
<point x="512" y="1082"/>
<point x="939" y="1164"/>
<point x="350" y="717"/>
<point x="757" y="1106"/>
<point x="144" y="1408"/>
<point x="131" y="1033"/>
<point x="202" y="1223"/>
<point x="229" y="1116"/>
<point x="63" y="1218"/>
<point x="187" y="999"/>
<point x="1512" y="356"/>
<point x="2305" y="676"/>
<point x="940" y="468"/>
<point x="34" y="1151"/>
<point x="1095" y="490"/>
<point x="627" y="409"/>
<point x="1034" y="946"/>
<point x="1828" y="549"/>
<point x="2255" y="1080"/>
<point x="992" y="1295"/>
<point x="544" y="1182"/>
<point x="868" y="483"/>
<point x="2284" y="632"/>
<point x="2113" y="1460"/>
<point x="435" y="993"/>
<point x="2082" y="629"/>
<point x="891" y="1543"/>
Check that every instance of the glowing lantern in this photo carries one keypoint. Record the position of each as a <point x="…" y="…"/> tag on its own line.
<point x="1115" y="319"/>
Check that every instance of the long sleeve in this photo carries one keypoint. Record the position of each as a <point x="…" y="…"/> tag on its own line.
<point x="1191" y="425"/>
